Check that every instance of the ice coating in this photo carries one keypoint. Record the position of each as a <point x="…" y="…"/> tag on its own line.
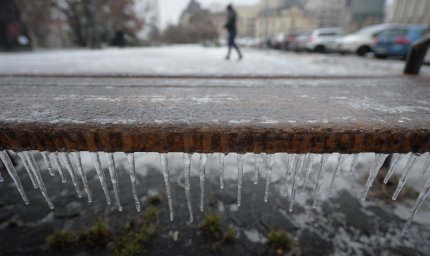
<point x="165" y="169"/>
<point x="269" y="167"/>
<point x="405" y="174"/>
<point x="4" y="157"/>
<point x="187" y="175"/>
<point x="81" y="173"/>
<point x="202" y="173"/>
<point x="66" y="160"/>
<point x="240" y="161"/>
<point x="373" y="172"/>
<point x="296" y="168"/>
<point x="101" y="175"/>
<point x="48" y="162"/>
<point x="132" y="173"/>
<point x="221" y="170"/>
<point x="27" y="168"/>
<point x="320" y="177"/>
<point x="57" y="165"/>
<point x="114" y="178"/>
<point x="36" y="172"/>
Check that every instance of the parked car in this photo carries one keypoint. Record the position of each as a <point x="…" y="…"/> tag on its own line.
<point x="324" y="39"/>
<point x="397" y="41"/>
<point x="427" y="58"/>
<point x="282" y="40"/>
<point x="360" y="42"/>
<point x="299" y="44"/>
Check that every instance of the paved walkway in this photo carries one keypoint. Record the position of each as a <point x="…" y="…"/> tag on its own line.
<point x="194" y="59"/>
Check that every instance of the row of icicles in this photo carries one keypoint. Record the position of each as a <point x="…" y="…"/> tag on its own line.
<point x="298" y="169"/>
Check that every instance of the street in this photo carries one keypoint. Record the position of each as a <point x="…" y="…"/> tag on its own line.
<point x="196" y="60"/>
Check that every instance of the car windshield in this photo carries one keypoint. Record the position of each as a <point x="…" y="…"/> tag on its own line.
<point x="369" y="30"/>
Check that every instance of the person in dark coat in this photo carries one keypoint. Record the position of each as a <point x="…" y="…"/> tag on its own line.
<point x="232" y="31"/>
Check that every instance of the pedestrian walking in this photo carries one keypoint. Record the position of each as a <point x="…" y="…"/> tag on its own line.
<point x="232" y="31"/>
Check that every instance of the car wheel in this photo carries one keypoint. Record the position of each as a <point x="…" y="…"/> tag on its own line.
<point x="320" y="48"/>
<point x="380" y="56"/>
<point x="363" y="50"/>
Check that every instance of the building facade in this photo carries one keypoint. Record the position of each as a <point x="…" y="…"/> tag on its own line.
<point x="247" y="18"/>
<point x="290" y="20"/>
<point x="409" y="12"/>
<point x="365" y="13"/>
<point x="329" y="13"/>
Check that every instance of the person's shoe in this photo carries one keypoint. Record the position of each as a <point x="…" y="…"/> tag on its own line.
<point x="240" y="58"/>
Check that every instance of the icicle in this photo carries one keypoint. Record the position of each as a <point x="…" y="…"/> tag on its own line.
<point x="240" y="162"/>
<point x="69" y="167"/>
<point x="187" y="175"/>
<point x="257" y="162"/>
<point x="420" y="200"/>
<point x="202" y="174"/>
<point x="132" y="173"/>
<point x="353" y="162"/>
<point x="100" y="173"/>
<point x="27" y="168"/>
<point x="426" y="164"/>
<point x="395" y="161"/>
<point x="404" y="177"/>
<point x="269" y="167"/>
<point x="320" y="178"/>
<point x="36" y="172"/>
<point x="57" y="165"/>
<point x="114" y="179"/>
<point x="221" y="170"/>
<point x="1" y="178"/>
<point x="48" y="162"/>
<point x="373" y="172"/>
<point x="307" y="171"/>
<point x="81" y="173"/>
<point x="13" y="174"/>
<point x="341" y="159"/>
<point x="165" y="169"/>
<point x="291" y="163"/>
<point x="298" y="166"/>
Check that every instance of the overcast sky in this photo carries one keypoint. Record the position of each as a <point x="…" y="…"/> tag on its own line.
<point x="170" y="10"/>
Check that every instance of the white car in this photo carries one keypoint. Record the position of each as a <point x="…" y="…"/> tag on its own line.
<point x="360" y="42"/>
<point x="324" y="39"/>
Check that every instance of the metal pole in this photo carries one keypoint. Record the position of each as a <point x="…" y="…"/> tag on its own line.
<point x="416" y="57"/>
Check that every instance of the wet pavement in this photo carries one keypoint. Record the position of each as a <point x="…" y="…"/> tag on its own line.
<point x="195" y="59"/>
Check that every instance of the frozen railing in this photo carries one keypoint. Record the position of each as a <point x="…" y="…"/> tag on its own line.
<point x="308" y="120"/>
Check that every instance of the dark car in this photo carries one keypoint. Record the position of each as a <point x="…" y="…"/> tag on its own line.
<point x="397" y="41"/>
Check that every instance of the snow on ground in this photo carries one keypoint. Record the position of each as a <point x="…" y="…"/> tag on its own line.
<point x="194" y="59"/>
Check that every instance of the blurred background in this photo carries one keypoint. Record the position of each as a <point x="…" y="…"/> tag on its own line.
<point x="386" y="28"/>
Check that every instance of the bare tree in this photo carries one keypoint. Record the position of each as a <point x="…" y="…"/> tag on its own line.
<point x="36" y="16"/>
<point x="87" y="19"/>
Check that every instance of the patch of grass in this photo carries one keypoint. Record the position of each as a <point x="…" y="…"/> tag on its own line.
<point x="280" y="241"/>
<point x="385" y="191"/>
<point x="154" y="199"/>
<point x="211" y="225"/>
<point x="13" y="223"/>
<point x="97" y="235"/>
<point x="150" y="214"/>
<point x="133" y="241"/>
<point x="230" y="235"/>
<point x="60" y="240"/>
